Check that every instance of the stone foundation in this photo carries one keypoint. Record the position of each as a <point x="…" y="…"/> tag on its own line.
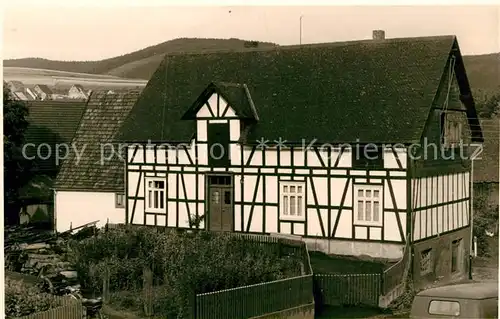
<point x="391" y="251"/>
<point x="441" y="248"/>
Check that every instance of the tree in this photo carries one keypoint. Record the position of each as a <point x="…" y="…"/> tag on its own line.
<point x="16" y="166"/>
<point x="488" y="105"/>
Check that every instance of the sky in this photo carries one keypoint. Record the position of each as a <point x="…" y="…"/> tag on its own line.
<point x="94" y="33"/>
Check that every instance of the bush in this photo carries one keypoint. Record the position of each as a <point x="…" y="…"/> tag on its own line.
<point x="485" y="217"/>
<point x="22" y="299"/>
<point x="182" y="264"/>
<point x="483" y="221"/>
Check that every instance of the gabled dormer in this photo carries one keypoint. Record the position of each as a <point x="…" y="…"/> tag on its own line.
<point x="223" y="111"/>
<point x="222" y="100"/>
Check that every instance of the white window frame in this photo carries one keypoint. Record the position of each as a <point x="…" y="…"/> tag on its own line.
<point x="151" y="190"/>
<point x="285" y="200"/>
<point x="119" y="200"/>
<point x="368" y="202"/>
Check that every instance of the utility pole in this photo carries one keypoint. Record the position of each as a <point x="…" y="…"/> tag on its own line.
<point x="300" y="29"/>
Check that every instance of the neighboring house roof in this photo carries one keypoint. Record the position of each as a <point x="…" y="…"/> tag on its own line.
<point x="78" y="86"/>
<point x="20" y="96"/>
<point x="486" y="166"/>
<point x="101" y="121"/>
<point x="51" y="122"/>
<point x="18" y="84"/>
<point x="374" y="91"/>
<point x="44" y="88"/>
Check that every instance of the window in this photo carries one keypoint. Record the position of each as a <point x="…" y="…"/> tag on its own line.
<point x="155" y="195"/>
<point x="426" y="261"/>
<point x="456" y="246"/>
<point x="227" y="197"/>
<point x="218" y="144"/>
<point x="444" y="308"/>
<point x="367" y="156"/>
<point x="451" y="130"/>
<point x="119" y="200"/>
<point x="222" y="180"/>
<point x="368" y="207"/>
<point x="292" y="196"/>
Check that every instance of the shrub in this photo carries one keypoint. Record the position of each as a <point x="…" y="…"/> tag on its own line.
<point x="483" y="221"/>
<point x="485" y="216"/>
<point x="22" y="299"/>
<point x="182" y="264"/>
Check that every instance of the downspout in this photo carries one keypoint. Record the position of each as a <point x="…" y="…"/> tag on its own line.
<point x="471" y="223"/>
<point x="54" y="218"/>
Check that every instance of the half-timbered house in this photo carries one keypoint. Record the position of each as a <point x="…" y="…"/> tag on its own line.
<point x="329" y="142"/>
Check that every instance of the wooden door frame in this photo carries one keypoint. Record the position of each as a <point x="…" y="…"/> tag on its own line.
<point x="208" y="199"/>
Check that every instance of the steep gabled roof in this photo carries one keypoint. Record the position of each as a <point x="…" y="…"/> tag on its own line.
<point x="52" y="122"/>
<point x="367" y="91"/>
<point x="103" y="117"/>
<point x="16" y="83"/>
<point x="236" y="95"/>
<point x="374" y="91"/>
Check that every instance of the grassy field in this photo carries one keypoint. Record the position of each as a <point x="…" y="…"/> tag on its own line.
<point x="22" y="71"/>
<point x="61" y="80"/>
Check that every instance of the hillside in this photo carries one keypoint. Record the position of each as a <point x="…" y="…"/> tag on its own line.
<point x="136" y="65"/>
<point x="483" y="72"/>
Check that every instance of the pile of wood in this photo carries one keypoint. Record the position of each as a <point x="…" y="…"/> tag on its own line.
<point x="43" y="254"/>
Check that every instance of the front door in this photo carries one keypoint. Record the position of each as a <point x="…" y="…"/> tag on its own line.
<point x="220" y="198"/>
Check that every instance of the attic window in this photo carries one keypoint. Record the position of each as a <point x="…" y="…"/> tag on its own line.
<point x="367" y="157"/>
<point x="451" y="131"/>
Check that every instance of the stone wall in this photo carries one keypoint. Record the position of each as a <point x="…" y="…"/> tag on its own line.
<point x="441" y="256"/>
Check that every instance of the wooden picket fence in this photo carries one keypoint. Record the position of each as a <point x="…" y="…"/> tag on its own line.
<point x="255" y="300"/>
<point x="70" y="309"/>
<point x="347" y="289"/>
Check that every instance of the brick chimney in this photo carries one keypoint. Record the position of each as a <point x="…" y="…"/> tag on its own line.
<point x="378" y="34"/>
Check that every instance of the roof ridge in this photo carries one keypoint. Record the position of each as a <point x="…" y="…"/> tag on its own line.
<point x="310" y="45"/>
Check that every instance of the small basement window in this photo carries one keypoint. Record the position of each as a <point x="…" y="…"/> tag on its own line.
<point x="155" y="195"/>
<point x="368" y="208"/>
<point x="119" y="200"/>
<point x="426" y="261"/>
<point x="456" y="248"/>
<point x="292" y="200"/>
<point x="444" y="308"/>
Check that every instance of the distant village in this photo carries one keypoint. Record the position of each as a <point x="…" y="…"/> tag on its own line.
<point x="42" y="92"/>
